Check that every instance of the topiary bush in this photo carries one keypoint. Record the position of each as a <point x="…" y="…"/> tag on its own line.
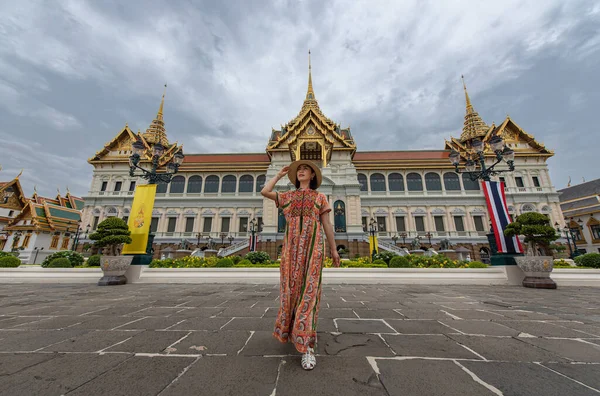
<point x="224" y="263"/>
<point x="258" y="257"/>
<point x="9" y="261"/>
<point x="76" y="259"/>
<point x="5" y="254"/>
<point x="380" y="261"/>
<point x="94" y="261"/>
<point x="244" y="262"/>
<point x="536" y="229"/>
<point x="236" y="259"/>
<point x="111" y="234"/>
<point x="476" y="264"/>
<point x="385" y="256"/>
<point x="61" y="262"/>
<point x="588" y="260"/>
<point x="400" y="262"/>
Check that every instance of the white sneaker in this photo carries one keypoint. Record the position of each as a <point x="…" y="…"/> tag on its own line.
<point x="309" y="361"/>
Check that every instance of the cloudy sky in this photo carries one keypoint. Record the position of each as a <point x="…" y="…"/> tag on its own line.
<point x="72" y="73"/>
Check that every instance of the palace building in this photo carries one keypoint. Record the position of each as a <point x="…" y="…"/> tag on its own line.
<point x="407" y="193"/>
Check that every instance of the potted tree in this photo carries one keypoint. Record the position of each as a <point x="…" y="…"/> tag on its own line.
<point x="537" y="262"/>
<point x="109" y="238"/>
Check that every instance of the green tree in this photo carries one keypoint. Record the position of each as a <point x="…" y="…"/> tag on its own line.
<point x="110" y="235"/>
<point x="536" y="229"/>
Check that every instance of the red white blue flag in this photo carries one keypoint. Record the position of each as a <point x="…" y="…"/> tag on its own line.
<point x="252" y="243"/>
<point x="496" y="203"/>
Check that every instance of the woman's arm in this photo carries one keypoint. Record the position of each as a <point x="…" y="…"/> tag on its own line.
<point x="330" y="238"/>
<point x="267" y="190"/>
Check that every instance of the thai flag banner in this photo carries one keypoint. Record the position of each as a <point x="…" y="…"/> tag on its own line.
<point x="498" y="210"/>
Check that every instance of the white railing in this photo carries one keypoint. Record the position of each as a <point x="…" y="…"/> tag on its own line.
<point x="229" y="250"/>
<point x="392" y="248"/>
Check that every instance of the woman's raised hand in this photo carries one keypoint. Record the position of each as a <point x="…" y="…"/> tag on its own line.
<point x="283" y="172"/>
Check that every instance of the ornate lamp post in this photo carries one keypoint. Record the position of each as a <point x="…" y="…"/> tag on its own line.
<point x="151" y="175"/>
<point x="502" y="152"/>
<point x="230" y="239"/>
<point x="223" y="236"/>
<point x="373" y="230"/>
<point x="566" y="229"/>
<point x="569" y="231"/>
<point x="395" y="239"/>
<point x="403" y="235"/>
<point x="429" y="235"/>
<point x="199" y="236"/>
<point x="76" y="239"/>
<point x="252" y="232"/>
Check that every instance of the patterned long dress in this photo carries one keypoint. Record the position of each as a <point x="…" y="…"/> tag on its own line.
<point x="302" y="257"/>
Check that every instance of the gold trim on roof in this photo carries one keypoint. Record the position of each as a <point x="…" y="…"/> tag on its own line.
<point x="473" y="127"/>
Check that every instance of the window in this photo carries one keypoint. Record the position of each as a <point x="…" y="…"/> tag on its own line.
<point x="470" y="185"/>
<point x="414" y="182"/>
<point x="451" y="181"/>
<point x="154" y="225"/>
<point x="228" y="184"/>
<point x="439" y="223"/>
<point x="207" y="226"/>
<point x="161" y="188"/>
<point x="260" y="182"/>
<point x="118" y="186"/>
<point x="576" y="231"/>
<point x="364" y="224"/>
<point x="177" y="185"/>
<point x="126" y="219"/>
<point x="104" y="186"/>
<point x="381" y="226"/>
<point x="132" y="186"/>
<point x="211" y="185"/>
<point x="95" y="222"/>
<point x="339" y="216"/>
<point x="225" y="224"/>
<point x="243" y="224"/>
<point x="420" y="223"/>
<point x="519" y="181"/>
<point x="377" y="182"/>
<point x="459" y="223"/>
<point x="400" y="224"/>
<point x="246" y="184"/>
<point x="194" y="185"/>
<point x="536" y="181"/>
<point x="11" y="213"/>
<point x="65" y="243"/>
<point x="171" y="224"/>
<point x="260" y="223"/>
<point x="26" y="241"/>
<point x="395" y="182"/>
<point x="479" y="223"/>
<point x="189" y="224"/>
<point x="432" y="182"/>
<point x="595" y="230"/>
<point x="362" y="180"/>
<point x="54" y="242"/>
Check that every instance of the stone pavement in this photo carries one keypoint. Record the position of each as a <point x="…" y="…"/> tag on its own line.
<point x="373" y="340"/>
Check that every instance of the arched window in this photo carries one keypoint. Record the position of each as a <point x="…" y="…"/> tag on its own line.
<point x="111" y="211"/>
<point x="377" y="182"/>
<point x="194" y="185"/>
<point x="395" y="182"/>
<point x="339" y="216"/>
<point x="362" y="179"/>
<point x="451" y="181"/>
<point x="260" y="182"/>
<point x="228" y="184"/>
<point x="281" y="221"/>
<point x="470" y="185"/>
<point x="527" y="208"/>
<point x="246" y="183"/>
<point x="161" y="188"/>
<point x="211" y="184"/>
<point x="414" y="182"/>
<point x="433" y="182"/>
<point x="177" y="185"/>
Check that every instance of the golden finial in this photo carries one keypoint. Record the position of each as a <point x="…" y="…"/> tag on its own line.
<point x="68" y="191"/>
<point x="159" y="116"/>
<point x="34" y="189"/>
<point x="469" y="105"/>
<point x="58" y="190"/>
<point x="19" y="175"/>
<point x="310" y="94"/>
<point x="126" y="124"/>
<point x="569" y="182"/>
<point x="474" y="126"/>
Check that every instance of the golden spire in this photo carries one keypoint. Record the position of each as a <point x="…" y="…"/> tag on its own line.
<point x="310" y="94"/>
<point x="473" y="127"/>
<point x="159" y="115"/>
<point x="156" y="132"/>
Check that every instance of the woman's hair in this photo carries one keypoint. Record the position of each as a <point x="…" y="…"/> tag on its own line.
<point x="313" y="181"/>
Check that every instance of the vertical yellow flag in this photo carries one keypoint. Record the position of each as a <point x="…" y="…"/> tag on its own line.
<point x="140" y="219"/>
<point x="373" y="244"/>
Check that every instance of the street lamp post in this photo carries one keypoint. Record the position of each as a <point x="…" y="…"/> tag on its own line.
<point x="76" y="239"/>
<point x="199" y="236"/>
<point x="373" y="230"/>
<point x="230" y="238"/>
<point x="477" y="157"/>
<point x="403" y="235"/>
<point x="569" y="231"/>
<point x="395" y="239"/>
<point x="223" y="236"/>
<point x="566" y="230"/>
<point x="252" y="232"/>
<point x="429" y="235"/>
<point x="151" y="175"/>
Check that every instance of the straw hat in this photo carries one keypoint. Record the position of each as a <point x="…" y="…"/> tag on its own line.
<point x="294" y="168"/>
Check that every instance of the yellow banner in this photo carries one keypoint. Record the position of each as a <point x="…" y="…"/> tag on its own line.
<point x="373" y="244"/>
<point x="140" y="218"/>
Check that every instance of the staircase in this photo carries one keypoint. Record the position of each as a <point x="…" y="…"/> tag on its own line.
<point x="236" y="247"/>
<point x="389" y="247"/>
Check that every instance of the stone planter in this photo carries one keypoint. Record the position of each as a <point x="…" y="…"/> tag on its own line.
<point x="537" y="271"/>
<point x="114" y="268"/>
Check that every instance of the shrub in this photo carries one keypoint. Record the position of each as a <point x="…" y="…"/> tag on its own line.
<point x="244" y="262"/>
<point x="589" y="260"/>
<point x="536" y="229"/>
<point x="94" y="261"/>
<point x="9" y="261"/>
<point x="385" y="256"/>
<point x="61" y="262"/>
<point x="75" y="258"/>
<point x="356" y="264"/>
<point x="400" y="262"/>
<point x="258" y="257"/>
<point x="5" y="254"/>
<point x="111" y="234"/>
<point x="577" y="260"/>
<point x="380" y="261"/>
<point x="236" y="259"/>
<point x="476" y="264"/>
<point x="224" y="263"/>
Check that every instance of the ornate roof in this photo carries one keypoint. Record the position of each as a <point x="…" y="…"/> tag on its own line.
<point x="156" y="132"/>
<point x="474" y="126"/>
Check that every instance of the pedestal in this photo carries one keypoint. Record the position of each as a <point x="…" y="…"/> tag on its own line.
<point x="144" y="259"/>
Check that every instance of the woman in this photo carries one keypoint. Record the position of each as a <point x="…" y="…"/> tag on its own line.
<point x="307" y="216"/>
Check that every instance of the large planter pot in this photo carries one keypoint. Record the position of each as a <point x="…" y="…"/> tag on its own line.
<point x="114" y="268"/>
<point x="537" y="271"/>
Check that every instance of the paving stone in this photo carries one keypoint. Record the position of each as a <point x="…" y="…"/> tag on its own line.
<point x="92" y="341"/>
<point x="526" y="315"/>
<point x="428" y="377"/>
<point x="157" y="311"/>
<point x="377" y="314"/>
<point x="410" y="326"/>
<point x="429" y="314"/>
<point x="476" y="314"/>
<point x="60" y="375"/>
<point x="257" y="324"/>
<point x="541" y="329"/>
<point x="363" y="326"/>
<point x="120" y="310"/>
<point x="588" y="374"/>
<point x="584" y="330"/>
<point x="137" y="376"/>
<point x="212" y="342"/>
<point x="325" y="325"/>
<point x="78" y="310"/>
<point x="14" y="362"/>
<point x="201" y="324"/>
<point x="152" y="323"/>
<point x="352" y="345"/>
<point x="336" y="313"/>
<point x="507" y="349"/>
<point x="569" y="349"/>
<point x="198" y="312"/>
<point x="13" y="321"/>
<point x="242" y="313"/>
<point x="526" y="379"/>
<point x="263" y="343"/>
<point x="149" y="342"/>
<point x="104" y="322"/>
<point x="339" y="304"/>
<point x="482" y="327"/>
<point x="55" y="323"/>
<point x="31" y="340"/>
<point x="428" y="346"/>
<point x="228" y="376"/>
